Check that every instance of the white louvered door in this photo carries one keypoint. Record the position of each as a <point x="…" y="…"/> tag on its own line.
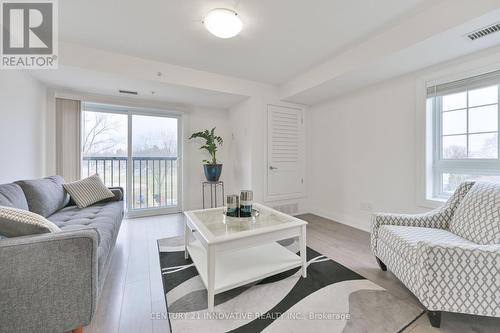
<point x="285" y="153"/>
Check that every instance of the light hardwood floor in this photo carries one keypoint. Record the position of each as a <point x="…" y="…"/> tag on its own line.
<point x="133" y="289"/>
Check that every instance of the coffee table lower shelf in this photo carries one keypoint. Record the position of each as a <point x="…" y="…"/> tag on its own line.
<point x="243" y="266"/>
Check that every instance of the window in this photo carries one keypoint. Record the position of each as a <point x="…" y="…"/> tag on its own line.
<point x="465" y="125"/>
<point x="136" y="149"/>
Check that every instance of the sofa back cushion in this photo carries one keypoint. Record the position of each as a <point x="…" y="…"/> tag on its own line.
<point x="45" y="196"/>
<point x="11" y="195"/>
<point x="477" y="218"/>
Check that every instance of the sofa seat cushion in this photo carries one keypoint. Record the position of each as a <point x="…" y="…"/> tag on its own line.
<point x="12" y="195"/>
<point x="105" y="218"/>
<point x="477" y="218"/>
<point x="45" y="196"/>
<point x="405" y="240"/>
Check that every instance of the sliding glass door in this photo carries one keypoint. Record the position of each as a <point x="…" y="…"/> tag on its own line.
<point x="137" y="150"/>
<point x="105" y="147"/>
<point x="154" y="158"/>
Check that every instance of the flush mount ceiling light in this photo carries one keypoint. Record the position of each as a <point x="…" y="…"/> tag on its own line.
<point x="223" y="23"/>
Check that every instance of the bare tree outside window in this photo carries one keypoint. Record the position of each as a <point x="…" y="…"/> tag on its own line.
<point x="102" y="134"/>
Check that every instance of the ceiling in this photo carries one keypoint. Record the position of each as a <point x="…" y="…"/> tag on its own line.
<point x="280" y="38"/>
<point x="108" y="84"/>
<point x="288" y="50"/>
<point x="405" y="48"/>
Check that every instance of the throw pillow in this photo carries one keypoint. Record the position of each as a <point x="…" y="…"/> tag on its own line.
<point x="16" y="222"/>
<point x="88" y="191"/>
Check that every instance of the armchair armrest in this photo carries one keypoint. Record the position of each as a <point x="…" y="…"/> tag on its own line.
<point x="438" y="219"/>
<point x="48" y="281"/>
<point x="461" y="278"/>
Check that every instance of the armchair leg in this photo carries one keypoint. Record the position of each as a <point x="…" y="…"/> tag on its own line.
<point x="381" y="264"/>
<point x="434" y="318"/>
<point x="78" y="330"/>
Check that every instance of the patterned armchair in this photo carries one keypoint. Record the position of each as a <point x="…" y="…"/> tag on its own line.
<point x="450" y="257"/>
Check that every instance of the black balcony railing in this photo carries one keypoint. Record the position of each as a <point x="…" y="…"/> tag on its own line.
<point x="154" y="179"/>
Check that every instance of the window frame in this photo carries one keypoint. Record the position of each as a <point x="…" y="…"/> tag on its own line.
<point x="472" y="166"/>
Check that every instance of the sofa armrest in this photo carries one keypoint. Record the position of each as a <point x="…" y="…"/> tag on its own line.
<point x="461" y="278"/>
<point x="48" y="281"/>
<point x="118" y="192"/>
<point x="437" y="219"/>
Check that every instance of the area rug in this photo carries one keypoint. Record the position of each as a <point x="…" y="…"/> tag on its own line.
<point x="331" y="299"/>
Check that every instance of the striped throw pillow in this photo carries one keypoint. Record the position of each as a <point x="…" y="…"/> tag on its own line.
<point x="88" y="191"/>
<point x="16" y="222"/>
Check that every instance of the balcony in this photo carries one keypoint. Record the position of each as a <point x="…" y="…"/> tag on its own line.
<point x="153" y="179"/>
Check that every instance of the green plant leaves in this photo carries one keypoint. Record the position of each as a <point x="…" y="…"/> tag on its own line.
<point x="211" y="142"/>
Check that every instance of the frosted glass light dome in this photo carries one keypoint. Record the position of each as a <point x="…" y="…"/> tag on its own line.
<point x="223" y="23"/>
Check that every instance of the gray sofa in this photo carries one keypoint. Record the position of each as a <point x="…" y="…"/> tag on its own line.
<point x="51" y="282"/>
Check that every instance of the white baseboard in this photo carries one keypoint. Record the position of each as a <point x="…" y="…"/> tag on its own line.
<point x="343" y="219"/>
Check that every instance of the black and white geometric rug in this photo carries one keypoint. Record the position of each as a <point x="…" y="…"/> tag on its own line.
<point x="331" y="299"/>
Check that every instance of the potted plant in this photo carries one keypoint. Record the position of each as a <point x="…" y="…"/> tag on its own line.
<point x="211" y="167"/>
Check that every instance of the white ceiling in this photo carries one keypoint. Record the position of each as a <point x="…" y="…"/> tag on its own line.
<point x="298" y="51"/>
<point x="280" y="39"/>
<point x="398" y="51"/>
<point x="102" y="83"/>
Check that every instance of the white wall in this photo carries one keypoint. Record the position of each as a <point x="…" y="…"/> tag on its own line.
<point x="196" y="120"/>
<point x="248" y="122"/>
<point x="361" y="147"/>
<point x="22" y="117"/>
<point x="244" y="129"/>
<point x="249" y="127"/>
<point x="240" y="120"/>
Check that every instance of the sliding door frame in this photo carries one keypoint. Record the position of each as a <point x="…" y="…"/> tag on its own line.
<point x="130" y="111"/>
<point x="155" y="210"/>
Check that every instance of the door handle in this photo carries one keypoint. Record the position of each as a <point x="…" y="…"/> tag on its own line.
<point x="272" y="168"/>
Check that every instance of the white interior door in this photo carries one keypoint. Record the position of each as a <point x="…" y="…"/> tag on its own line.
<point x="285" y="153"/>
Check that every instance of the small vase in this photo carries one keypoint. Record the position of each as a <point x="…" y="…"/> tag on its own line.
<point x="212" y="171"/>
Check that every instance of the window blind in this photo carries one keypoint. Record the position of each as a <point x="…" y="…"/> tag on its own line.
<point x="474" y="82"/>
<point x="68" y="148"/>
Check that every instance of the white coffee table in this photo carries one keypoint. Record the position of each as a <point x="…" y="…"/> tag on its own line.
<point x="231" y="252"/>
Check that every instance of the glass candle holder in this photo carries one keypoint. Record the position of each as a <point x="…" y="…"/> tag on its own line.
<point x="232" y="205"/>
<point x="246" y="198"/>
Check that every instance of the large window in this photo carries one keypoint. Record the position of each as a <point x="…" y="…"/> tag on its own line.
<point x="465" y="132"/>
<point x="136" y="149"/>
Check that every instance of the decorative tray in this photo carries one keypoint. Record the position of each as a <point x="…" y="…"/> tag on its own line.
<point x="255" y="213"/>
